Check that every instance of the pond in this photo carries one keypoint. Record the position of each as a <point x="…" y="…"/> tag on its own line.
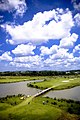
<point x="73" y="93"/>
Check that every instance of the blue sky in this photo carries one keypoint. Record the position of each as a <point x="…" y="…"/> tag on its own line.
<point x="39" y="35"/>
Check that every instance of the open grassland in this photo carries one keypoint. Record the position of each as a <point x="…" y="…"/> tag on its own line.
<point x="57" y="83"/>
<point x="9" y="79"/>
<point x="38" y="109"/>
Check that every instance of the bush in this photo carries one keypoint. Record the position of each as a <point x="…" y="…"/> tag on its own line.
<point x="19" y="95"/>
<point x="70" y="110"/>
<point x="55" y="98"/>
<point x="54" y="103"/>
<point x="47" y="101"/>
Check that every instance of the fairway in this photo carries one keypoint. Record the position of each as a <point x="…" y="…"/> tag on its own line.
<point x="57" y="83"/>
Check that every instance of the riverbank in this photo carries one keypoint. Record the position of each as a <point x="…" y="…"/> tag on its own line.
<point x="58" y="83"/>
<point x="39" y="108"/>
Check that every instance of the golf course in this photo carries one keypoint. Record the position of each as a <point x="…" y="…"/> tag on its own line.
<point x="36" y="106"/>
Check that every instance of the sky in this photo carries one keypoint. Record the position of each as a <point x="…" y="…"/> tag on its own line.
<point x="39" y="35"/>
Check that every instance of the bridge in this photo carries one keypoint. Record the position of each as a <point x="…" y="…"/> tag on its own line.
<point x="42" y="92"/>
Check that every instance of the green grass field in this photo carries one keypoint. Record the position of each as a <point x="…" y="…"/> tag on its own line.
<point x="57" y="83"/>
<point x="9" y="79"/>
<point x="39" y="109"/>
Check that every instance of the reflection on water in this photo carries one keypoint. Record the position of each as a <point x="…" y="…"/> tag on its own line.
<point x="17" y="88"/>
<point x="73" y="93"/>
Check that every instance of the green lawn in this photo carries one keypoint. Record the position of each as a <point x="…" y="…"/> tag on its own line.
<point x="39" y="109"/>
<point x="57" y="83"/>
<point x="9" y="79"/>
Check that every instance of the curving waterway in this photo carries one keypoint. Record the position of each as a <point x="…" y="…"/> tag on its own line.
<point x="17" y="88"/>
<point x="22" y="88"/>
<point x="72" y="93"/>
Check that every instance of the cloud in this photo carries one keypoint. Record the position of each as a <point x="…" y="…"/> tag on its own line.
<point x="77" y="48"/>
<point x="47" y="51"/>
<point x="76" y="5"/>
<point x="20" y="65"/>
<point x="68" y="42"/>
<point x="39" y="63"/>
<point x="77" y="19"/>
<point x="6" y="57"/>
<point x="62" y="60"/>
<point x="1" y="19"/>
<point x="62" y="54"/>
<point x="59" y="60"/>
<point x="19" y="6"/>
<point x="24" y="49"/>
<point x="55" y="24"/>
<point x="27" y="61"/>
<point x="49" y="25"/>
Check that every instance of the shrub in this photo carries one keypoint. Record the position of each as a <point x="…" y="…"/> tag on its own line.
<point x="54" y="103"/>
<point x="70" y="110"/>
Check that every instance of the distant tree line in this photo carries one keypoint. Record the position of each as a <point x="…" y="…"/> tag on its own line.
<point x="39" y="73"/>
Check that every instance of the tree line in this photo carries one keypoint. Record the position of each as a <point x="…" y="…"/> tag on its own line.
<point x="39" y="73"/>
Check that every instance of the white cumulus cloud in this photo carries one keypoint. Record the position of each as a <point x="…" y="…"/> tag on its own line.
<point x="47" y="51"/>
<point x="24" y="49"/>
<point x="27" y="61"/>
<point x="68" y="42"/>
<point x="6" y="56"/>
<point x="62" y="54"/>
<point x="44" y="26"/>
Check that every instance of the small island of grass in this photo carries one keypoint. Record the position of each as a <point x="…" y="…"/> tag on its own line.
<point x="57" y="83"/>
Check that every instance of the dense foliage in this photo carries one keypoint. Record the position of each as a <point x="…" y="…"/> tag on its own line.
<point x="39" y="73"/>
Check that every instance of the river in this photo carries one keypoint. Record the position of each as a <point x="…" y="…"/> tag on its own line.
<point x="17" y="88"/>
<point x="72" y="93"/>
<point x="21" y="88"/>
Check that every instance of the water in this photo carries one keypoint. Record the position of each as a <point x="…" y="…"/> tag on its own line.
<point x="21" y="88"/>
<point x="17" y="88"/>
<point x="73" y="93"/>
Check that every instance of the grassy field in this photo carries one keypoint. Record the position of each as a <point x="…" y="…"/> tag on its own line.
<point x="9" y="79"/>
<point x="57" y="83"/>
<point x="38" y="109"/>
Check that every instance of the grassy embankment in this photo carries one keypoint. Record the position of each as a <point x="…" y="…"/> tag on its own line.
<point x="12" y="108"/>
<point x="10" y="79"/>
<point x="57" y="83"/>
